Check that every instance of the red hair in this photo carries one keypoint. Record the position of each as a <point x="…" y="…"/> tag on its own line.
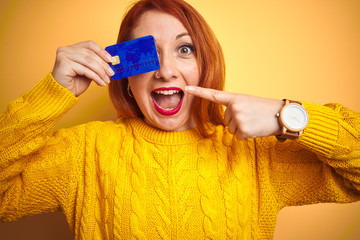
<point x="209" y="55"/>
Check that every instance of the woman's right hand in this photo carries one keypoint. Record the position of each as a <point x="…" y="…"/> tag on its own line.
<point x="79" y="64"/>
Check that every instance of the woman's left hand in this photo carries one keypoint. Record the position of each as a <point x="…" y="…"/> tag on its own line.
<point x="245" y="115"/>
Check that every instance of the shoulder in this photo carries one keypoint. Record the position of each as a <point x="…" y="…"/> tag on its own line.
<point x="96" y="130"/>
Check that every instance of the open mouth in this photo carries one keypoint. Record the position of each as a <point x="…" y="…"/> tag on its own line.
<point x="167" y="101"/>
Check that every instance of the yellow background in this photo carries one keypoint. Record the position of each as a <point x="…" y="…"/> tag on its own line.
<point x="304" y="50"/>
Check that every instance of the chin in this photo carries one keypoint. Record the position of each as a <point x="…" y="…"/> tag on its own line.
<point x="171" y="125"/>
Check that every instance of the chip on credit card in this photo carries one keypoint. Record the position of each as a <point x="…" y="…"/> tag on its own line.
<point x="133" y="57"/>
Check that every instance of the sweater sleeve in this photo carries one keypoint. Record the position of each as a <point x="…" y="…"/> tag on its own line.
<point x="323" y="165"/>
<point x="36" y="165"/>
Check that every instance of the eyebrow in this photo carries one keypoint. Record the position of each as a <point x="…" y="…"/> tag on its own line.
<point x="182" y="35"/>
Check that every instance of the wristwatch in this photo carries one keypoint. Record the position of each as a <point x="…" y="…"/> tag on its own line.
<point x="293" y="119"/>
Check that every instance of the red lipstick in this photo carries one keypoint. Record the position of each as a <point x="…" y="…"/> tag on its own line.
<point x="168" y="112"/>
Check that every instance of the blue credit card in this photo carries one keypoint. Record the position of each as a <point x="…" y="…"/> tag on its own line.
<point x="133" y="57"/>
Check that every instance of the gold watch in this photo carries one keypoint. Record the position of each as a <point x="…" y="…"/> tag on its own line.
<point x="293" y="119"/>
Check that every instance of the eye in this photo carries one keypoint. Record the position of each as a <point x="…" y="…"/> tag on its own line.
<point x="186" y="49"/>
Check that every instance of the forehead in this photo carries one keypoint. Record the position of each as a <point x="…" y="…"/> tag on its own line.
<point x="159" y="24"/>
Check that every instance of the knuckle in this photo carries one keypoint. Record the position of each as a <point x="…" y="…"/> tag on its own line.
<point x="88" y="58"/>
<point x="236" y="107"/>
<point x="243" y="128"/>
<point x="61" y="58"/>
<point x="104" y="52"/>
<point x="247" y="131"/>
<point x="239" y="119"/>
<point x="105" y="65"/>
<point x="60" y="50"/>
<point x="89" y="43"/>
<point x="214" y="94"/>
<point x="103" y="75"/>
<point x="242" y="135"/>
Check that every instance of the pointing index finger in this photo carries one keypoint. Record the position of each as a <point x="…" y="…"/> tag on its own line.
<point x="210" y="94"/>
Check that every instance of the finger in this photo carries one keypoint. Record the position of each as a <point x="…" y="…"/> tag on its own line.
<point x="240" y="135"/>
<point x="213" y="95"/>
<point x="227" y="116"/>
<point x="92" y="61"/>
<point x="232" y="127"/>
<point x="91" y="45"/>
<point x="81" y="70"/>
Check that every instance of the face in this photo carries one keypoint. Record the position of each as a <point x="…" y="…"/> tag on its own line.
<point x="161" y="97"/>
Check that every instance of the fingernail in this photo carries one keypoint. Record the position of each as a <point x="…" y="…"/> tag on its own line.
<point x="190" y="88"/>
<point x="110" y="71"/>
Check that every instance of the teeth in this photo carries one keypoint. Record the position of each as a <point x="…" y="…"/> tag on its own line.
<point x="167" y="109"/>
<point x="167" y="92"/>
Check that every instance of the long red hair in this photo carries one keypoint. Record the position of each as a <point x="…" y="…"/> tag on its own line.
<point x="209" y="54"/>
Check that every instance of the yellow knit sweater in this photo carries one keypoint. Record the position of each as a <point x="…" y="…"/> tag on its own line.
<point x="125" y="180"/>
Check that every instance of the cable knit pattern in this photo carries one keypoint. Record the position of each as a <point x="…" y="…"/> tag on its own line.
<point x="119" y="186"/>
<point x="238" y="189"/>
<point x="162" y="183"/>
<point x="88" y="220"/>
<point x="207" y="177"/>
<point x="127" y="180"/>
<point x="138" y="182"/>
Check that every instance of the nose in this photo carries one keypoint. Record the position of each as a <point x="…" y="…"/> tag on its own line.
<point x="168" y="67"/>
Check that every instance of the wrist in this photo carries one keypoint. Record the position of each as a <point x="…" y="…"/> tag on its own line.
<point x="293" y="119"/>
<point x="50" y="98"/>
<point x="277" y="106"/>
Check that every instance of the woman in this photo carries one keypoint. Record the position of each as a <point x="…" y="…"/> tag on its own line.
<point x="174" y="165"/>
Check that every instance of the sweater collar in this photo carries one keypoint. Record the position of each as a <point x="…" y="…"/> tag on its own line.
<point x="163" y="137"/>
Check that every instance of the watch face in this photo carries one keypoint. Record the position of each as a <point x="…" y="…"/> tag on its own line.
<point x="295" y="117"/>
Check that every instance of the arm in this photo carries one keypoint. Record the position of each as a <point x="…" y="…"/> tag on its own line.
<point x="37" y="166"/>
<point x="31" y="177"/>
<point x="320" y="166"/>
<point x="323" y="165"/>
<point x="76" y="66"/>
